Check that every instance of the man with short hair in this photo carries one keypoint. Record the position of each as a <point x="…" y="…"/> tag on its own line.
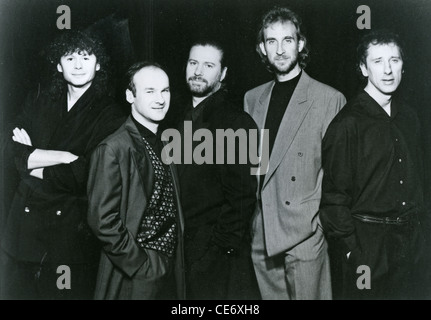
<point x="133" y="196"/>
<point x="289" y="250"/>
<point x="217" y="198"/>
<point x="372" y="197"/>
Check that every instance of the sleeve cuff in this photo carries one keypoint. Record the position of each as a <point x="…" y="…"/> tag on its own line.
<point x="22" y="152"/>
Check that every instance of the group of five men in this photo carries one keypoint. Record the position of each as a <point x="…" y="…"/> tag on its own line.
<point x="213" y="230"/>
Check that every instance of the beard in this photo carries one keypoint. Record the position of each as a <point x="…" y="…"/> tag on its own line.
<point x="284" y="69"/>
<point x="200" y="90"/>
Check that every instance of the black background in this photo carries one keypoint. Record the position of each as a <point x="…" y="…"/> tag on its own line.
<point x="162" y="29"/>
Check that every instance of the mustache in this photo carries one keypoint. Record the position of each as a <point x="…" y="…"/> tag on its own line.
<point x="195" y="78"/>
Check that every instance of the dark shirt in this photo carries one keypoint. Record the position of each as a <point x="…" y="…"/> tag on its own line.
<point x="152" y="138"/>
<point x="217" y="199"/>
<point x="372" y="163"/>
<point x="280" y="96"/>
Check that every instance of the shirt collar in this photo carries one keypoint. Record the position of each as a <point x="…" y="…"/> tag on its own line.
<point x="375" y="109"/>
<point x="145" y="132"/>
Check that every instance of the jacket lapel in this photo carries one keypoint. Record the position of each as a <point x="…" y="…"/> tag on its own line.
<point x="262" y="108"/>
<point x="141" y="158"/>
<point x="296" y="111"/>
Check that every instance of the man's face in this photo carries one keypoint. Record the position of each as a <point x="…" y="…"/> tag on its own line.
<point x="384" y="67"/>
<point x="204" y="72"/>
<point x="281" y="46"/>
<point x="78" y="68"/>
<point x="151" y="101"/>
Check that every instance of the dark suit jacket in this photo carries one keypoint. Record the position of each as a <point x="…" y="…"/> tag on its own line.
<point x="218" y="202"/>
<point x="119" y="189"/>
<point x="218" y="199"/>
<point x="49" y="216"/>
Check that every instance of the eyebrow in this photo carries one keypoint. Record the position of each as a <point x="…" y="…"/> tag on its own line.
<point x="286" y="37"/>
<point x="208" y="62"/>
<point x="151" y="88"/>
<point x="391" y="57"/>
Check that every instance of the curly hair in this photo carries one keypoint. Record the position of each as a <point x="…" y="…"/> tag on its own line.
<point x="71" y="42"/>
<point x="376" y="37"/>
<point x="282" y="14"/>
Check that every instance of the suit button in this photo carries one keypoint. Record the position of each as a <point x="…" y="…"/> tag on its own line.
<point x="293" y="178"/>
<point x="287" y="203"/>
<point x="27" y="209"/>
<point x="300" y="154"/>
<point x="58" y="212"/>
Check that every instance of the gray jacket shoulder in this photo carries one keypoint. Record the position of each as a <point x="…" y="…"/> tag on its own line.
<point x="323" y="90"/>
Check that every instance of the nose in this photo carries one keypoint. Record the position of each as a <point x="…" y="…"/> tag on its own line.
<point x="160" y="99"/>
<point x="387" y="68"/>
<point x="198" y="69"/>
<point x="280" y="48"/>
<point x="78" y="64"/>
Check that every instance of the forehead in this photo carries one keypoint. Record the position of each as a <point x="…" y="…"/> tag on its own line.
<point x="205" y="53"/>
<point x="78" y="52"/>
<point x="151" y="77"/>
<point x="280" y="28"/>
<point x="375" y="51"/>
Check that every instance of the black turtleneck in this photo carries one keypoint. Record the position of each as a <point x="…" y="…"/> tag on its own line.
<point x="280" y="97"/>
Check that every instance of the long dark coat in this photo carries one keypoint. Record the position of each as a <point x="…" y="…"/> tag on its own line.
<point x="119" y="189"/>
<point x="47" y="218"/>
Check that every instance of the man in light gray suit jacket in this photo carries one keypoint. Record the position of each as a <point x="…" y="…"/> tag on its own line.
<point x="289" y="250"/>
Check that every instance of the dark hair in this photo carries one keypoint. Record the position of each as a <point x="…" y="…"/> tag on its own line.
<point x="77" y="41"/>
<point x="281" y="14"/>
<point x="376" y="37"/>
<point x="135" y="68"/>
<point x="204" y="42"/>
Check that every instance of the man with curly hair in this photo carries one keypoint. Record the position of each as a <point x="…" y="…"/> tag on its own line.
<point x="54" y="135"/>
<point x="289" y="250"/>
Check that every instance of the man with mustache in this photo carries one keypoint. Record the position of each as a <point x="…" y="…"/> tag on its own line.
<point x="217" y="198"/>
<point x="289" y="250"/>
<point x="372" y="193"/>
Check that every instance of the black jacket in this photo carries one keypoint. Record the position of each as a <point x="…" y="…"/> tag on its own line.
<point x="218" y="199"/>
<point x="47" y="217"/>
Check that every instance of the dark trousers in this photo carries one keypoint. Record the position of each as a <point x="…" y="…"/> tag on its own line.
<point x="393" y="255"/>
<point x="38" y="281"/>
<point x="221" y="276"/>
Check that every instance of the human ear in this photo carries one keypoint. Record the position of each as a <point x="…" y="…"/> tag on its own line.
<point x="262" y="48"/>
<point x="300" y="45"/>
<point x="130" y="97"/>
<point x="363" y="69"/>
<point x="223" y="74"/>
